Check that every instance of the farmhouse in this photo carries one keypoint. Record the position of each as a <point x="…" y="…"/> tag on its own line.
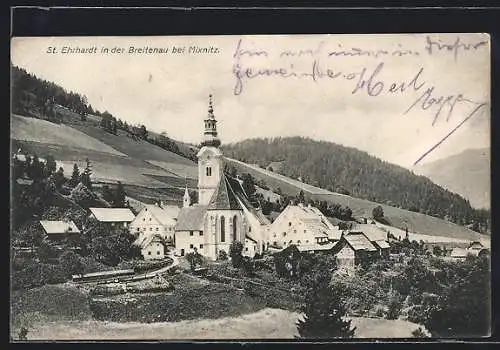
<point x="156" y="219"/>
<point x="113" y="216"/>
<point x="152" y="246"/>
<point x="304" y="226"/>
<point x="223" y="213"/>
<point x="353" y="249"/>
<point x="474" y="249"/>
<point x="377" y="236"/>
<point x="57" y="230"/>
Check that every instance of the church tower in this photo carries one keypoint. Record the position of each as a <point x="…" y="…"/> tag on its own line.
<point x="186" y="200"/>
<point x="210" y="164"/>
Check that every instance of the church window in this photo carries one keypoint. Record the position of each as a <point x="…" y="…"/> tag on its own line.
<point x="234" y="227"/>
<point x="222" y="229"/>
<point x="249" y="228"/>
<point x="209" y="171"/>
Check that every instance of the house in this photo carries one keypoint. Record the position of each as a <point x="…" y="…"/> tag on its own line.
<point x="268" y="195"/>
<point x="304" y="226"/>
<point x="223" y="213"/>
<point x="377" y="236"/>
<point x="156" y="219"/>
<point x="474" y="249"/>
<point x="152" y="246"/>
<point x="57" y="230"/>
<point x="458" y="254"/>
<point x="353" y="249"/>
<point x="113" y="216"/>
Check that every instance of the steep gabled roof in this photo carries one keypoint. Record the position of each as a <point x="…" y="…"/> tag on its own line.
<point x="145" y="240"/>
<point x="165" y="215"/>
<point x="224" y="197"/>
<point x="58" y="226"/>
<point x="358" y="241"/>
<point x="191" y="218"/>
<point x="238" y="190"/>
<point x="113" y="214"/>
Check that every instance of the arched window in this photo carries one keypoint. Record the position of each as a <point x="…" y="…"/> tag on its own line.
<point x="235" y="220"/>
<point x="222" y="229"/>
<point x="209" y="171"/>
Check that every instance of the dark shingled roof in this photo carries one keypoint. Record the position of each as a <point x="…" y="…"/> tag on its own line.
<point x="224" y="197"/>
<point x="191" y="218"/>
<point x="242" y="196"/>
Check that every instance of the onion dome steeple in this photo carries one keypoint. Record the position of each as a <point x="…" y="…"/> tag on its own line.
<point x="210" y="134"/>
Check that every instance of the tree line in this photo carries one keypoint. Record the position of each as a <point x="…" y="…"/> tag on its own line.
<point x="350" y="171"/>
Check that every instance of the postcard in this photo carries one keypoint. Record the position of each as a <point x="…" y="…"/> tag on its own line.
<point x="250" y="187"/>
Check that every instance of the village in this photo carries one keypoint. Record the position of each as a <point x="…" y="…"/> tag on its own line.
<point x="220" y="241"/>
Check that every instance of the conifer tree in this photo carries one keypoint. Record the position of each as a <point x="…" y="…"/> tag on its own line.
<point x="75" y="176"/>
<point x="324" y="313"/>
<point x="87" y="172"/>
<point x="119" y="198"/>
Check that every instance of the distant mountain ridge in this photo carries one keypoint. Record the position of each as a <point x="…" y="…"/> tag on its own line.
<point x="466" y="173"/>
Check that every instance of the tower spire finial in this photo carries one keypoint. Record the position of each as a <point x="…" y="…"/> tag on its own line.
<point x="210" y="107"/>
<point x="210" y="134"/>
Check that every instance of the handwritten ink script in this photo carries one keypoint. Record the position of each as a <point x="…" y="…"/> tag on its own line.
<point x="319" y="64"/>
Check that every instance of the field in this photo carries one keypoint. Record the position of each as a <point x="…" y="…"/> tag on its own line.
<point x="114" y="157"/>
<point x="399" y="218"/>
<point x="42" y="131"/>
<point x="264" y="324"/>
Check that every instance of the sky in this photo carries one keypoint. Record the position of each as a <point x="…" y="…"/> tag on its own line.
<point x="264" y="86"/>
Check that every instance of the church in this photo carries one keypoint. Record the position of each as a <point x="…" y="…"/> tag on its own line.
<point x="223" y="213"/>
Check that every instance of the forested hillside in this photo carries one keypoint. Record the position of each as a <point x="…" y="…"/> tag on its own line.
<point x="350" y="171"/>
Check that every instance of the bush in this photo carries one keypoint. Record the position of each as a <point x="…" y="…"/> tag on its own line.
<point x="222" y="256"/>
<point x="419" y="333"/>
<point x="394" y="309"/>
<point x="235" y="250"/>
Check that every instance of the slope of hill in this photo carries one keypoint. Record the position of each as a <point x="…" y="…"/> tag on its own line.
<point x="399" y="218"/>
<point x="38" y="130"/>
<point x="466" y="173"/>
<point x="114" y="157"/>
<point x="350" y="171"/>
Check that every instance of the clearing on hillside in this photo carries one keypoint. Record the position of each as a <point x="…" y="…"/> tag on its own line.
<point x="38" y="130"/>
